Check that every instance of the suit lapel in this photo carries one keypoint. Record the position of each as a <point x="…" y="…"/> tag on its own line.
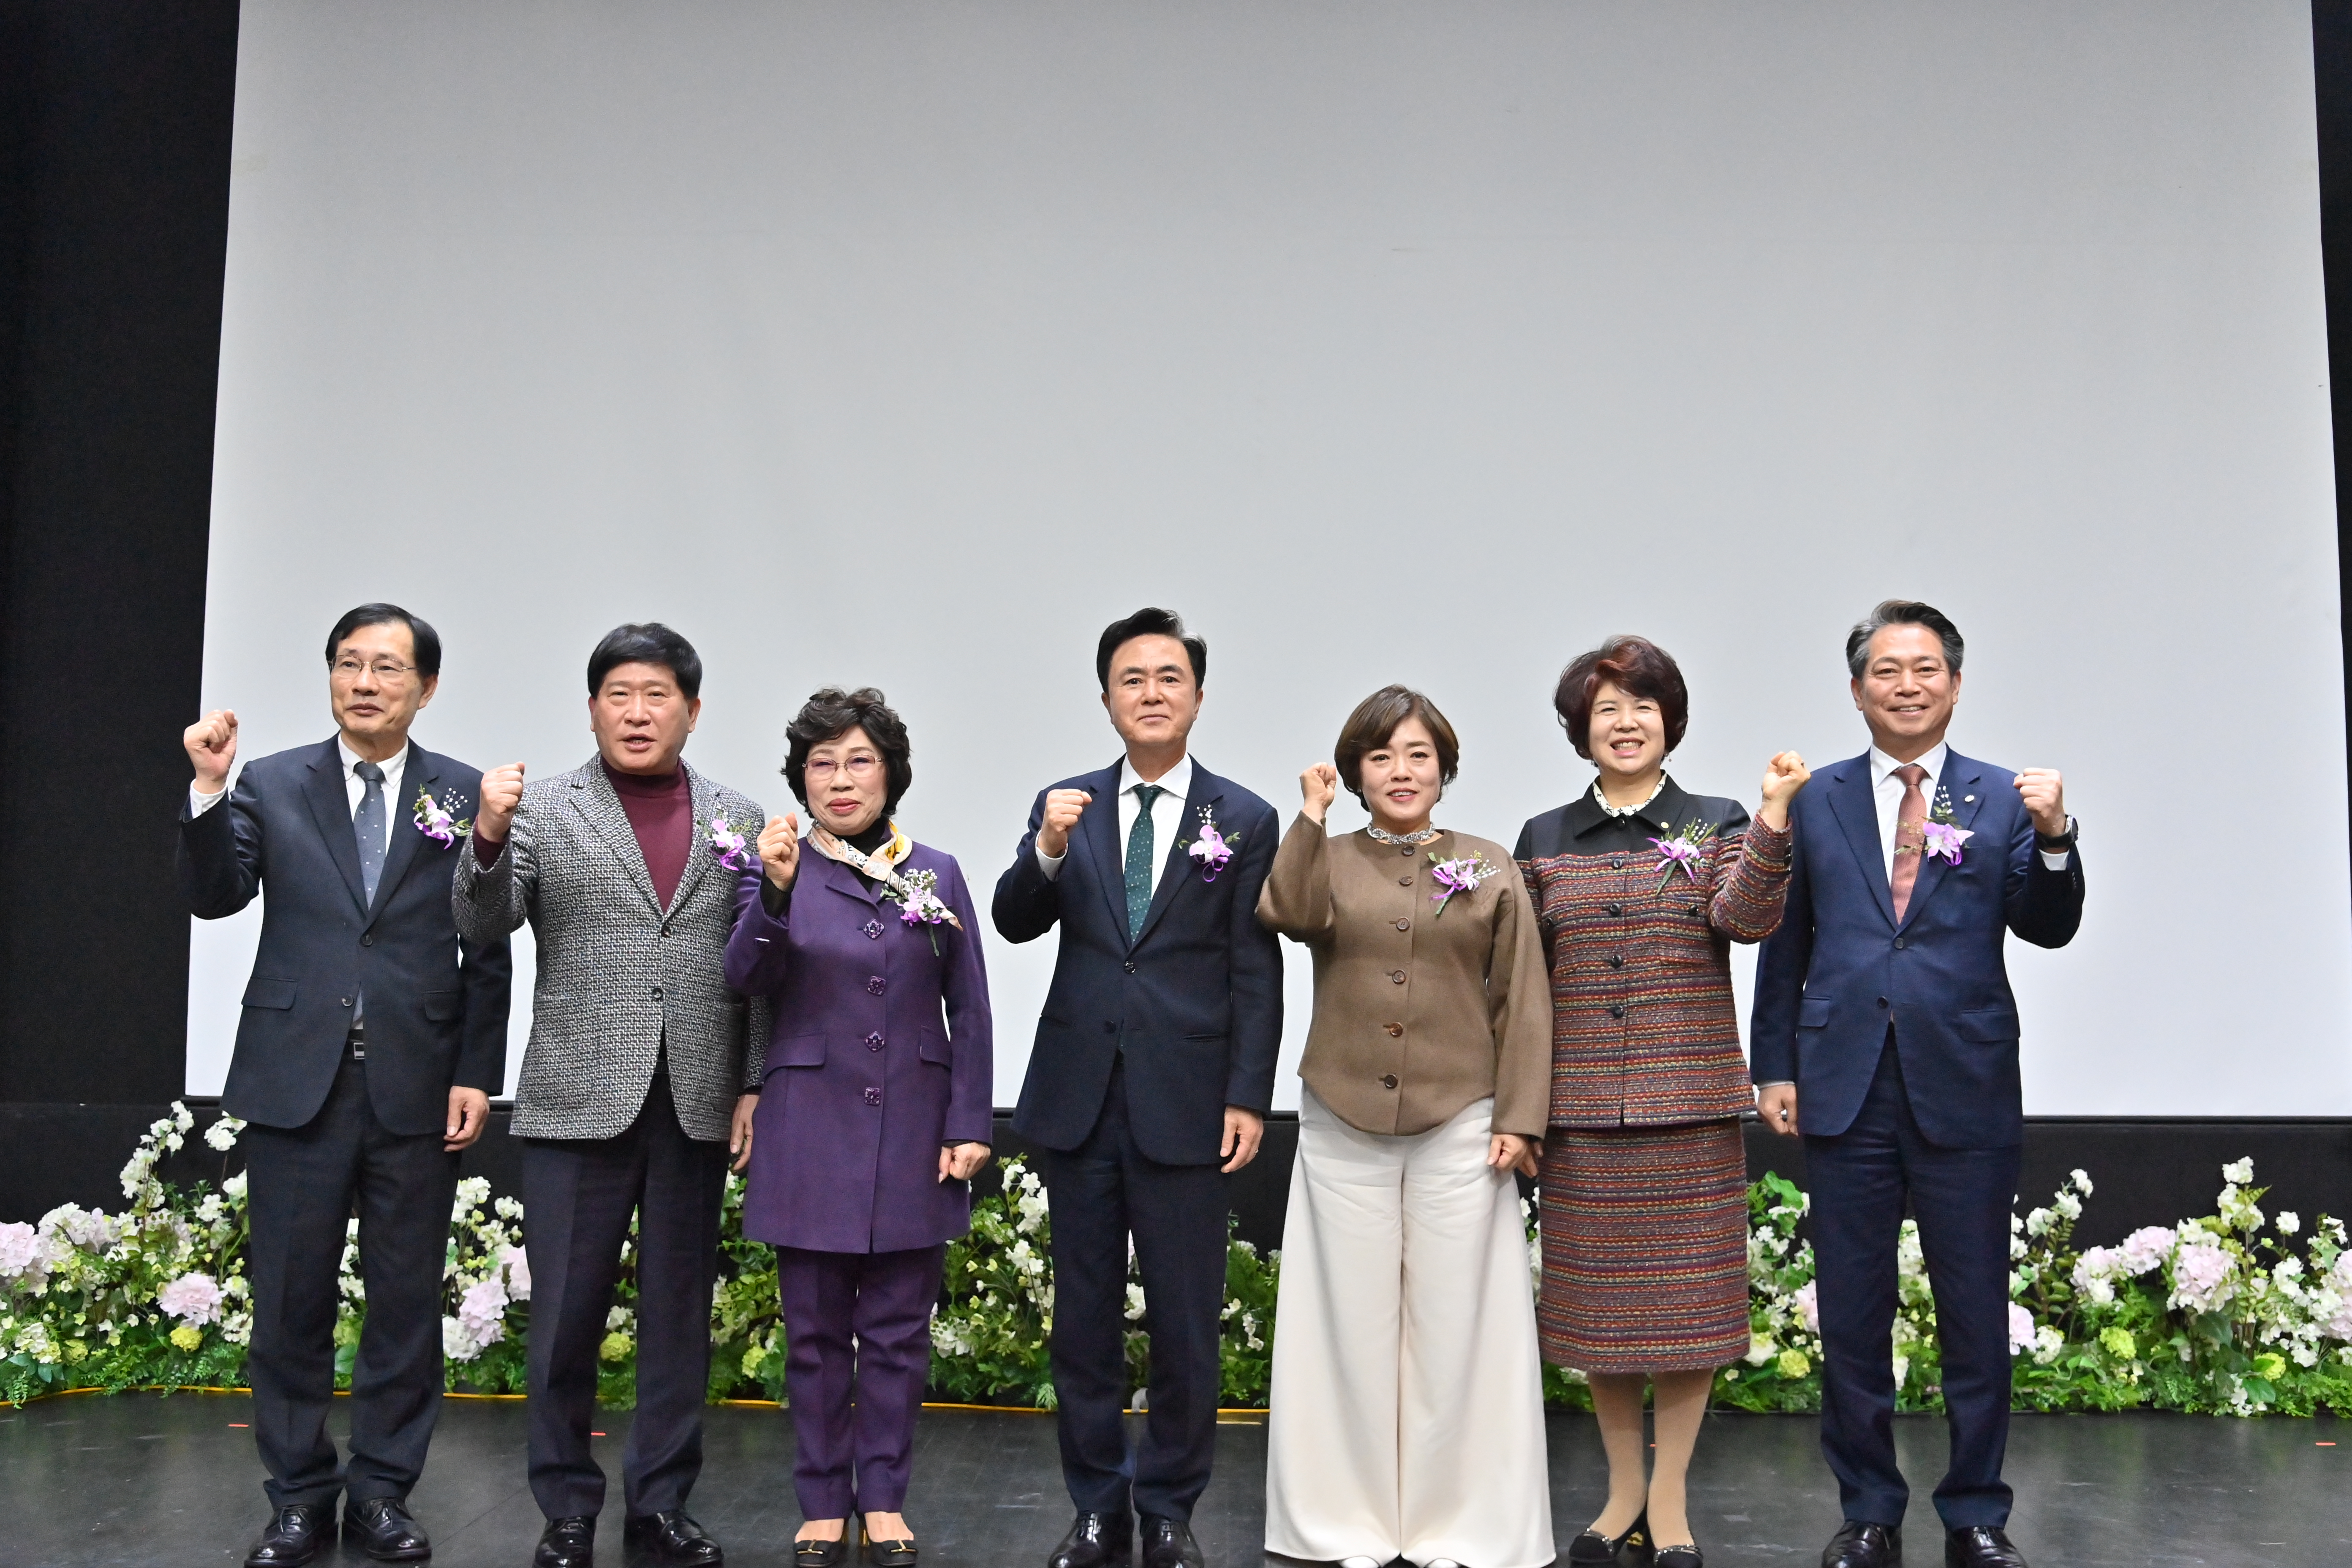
<point x="1962" y="784"/>
<point x="1098" y="829"/>
<point x="842" y="879"/>
<point x="599" y="806"/>
<point x="1851" y="801"/>
<point x="705" y="797"/>
<point x="1207" y="790"/>
<point x="333" y="809"/>
<point x="424" y="769"/>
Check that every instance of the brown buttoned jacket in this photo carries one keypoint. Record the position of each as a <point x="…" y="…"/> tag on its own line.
<point x="1419" y="1008"/>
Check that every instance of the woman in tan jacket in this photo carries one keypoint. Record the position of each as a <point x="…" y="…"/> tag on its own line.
<point x="1407" y="1402"/>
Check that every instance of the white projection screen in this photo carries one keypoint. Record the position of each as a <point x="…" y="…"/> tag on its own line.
<point x="907" y="342"/>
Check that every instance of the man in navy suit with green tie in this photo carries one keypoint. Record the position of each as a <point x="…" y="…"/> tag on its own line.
<point x="1151" y="1075"/>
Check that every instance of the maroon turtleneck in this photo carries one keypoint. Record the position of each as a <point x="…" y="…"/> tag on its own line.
<point x="661" y="810"/>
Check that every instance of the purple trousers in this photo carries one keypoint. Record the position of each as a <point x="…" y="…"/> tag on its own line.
<point x="857" y="1355"/>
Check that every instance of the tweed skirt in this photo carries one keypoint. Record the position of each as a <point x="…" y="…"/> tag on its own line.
<point x="1645" y="1247"/>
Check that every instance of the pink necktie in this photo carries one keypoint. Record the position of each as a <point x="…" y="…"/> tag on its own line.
<point x="1910" y="836"/>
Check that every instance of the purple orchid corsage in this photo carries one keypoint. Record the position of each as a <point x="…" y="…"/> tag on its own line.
<point x="1212" y="849"/>
<point x="1944" y="840"/>
<point x="732" y="846"/>
<point x="438" y="821"/>
<point x="1681" y="851"/>
<point x="1461" y="875"/>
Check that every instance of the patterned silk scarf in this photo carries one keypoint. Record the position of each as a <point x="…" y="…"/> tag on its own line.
<point x="877" y="865"/>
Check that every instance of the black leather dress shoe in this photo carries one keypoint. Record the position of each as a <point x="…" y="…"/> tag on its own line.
<point x="1860" y="1545"/>
<point x="1981" y="1546"/>
<point x="673" y="1537"/>
<point x="1594" y="1547"/>
<point x="1168" y="1543"/>
<point x="382" y="1527"/>
<point x="1095" y="1541"/>
<point x="569" y="1543"/>
<point x="295" y="1534"/>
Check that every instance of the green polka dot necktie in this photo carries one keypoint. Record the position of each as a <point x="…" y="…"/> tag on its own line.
<point x="1141" y="863"/>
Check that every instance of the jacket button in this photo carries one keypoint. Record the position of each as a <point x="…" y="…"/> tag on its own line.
<point x="1616" y="1009"/>
<point x="873" y="929"/>
<point x="1617" y="864"/>
<point x="367" y="939"/>
<point x="1397" y="975"/>
<point x="657" y="994"/>
<point x="1402" y="924"/>
<point x="875" y="984"/>
<point x="1131" y="967"/>
<point x="873" y="1042"/>
<point x="873" y="1096"/>
<point x="1393" y="1029"/>
<point x="342" y="1001"/>
<point x="1898" y="944"/>
<point x="1616" y="909"/>
<point x="1616" y="961"/>
<point x="1881" y="1001"/>
<point x="1388" y="1081"/>
<point x="1405" y="850"/>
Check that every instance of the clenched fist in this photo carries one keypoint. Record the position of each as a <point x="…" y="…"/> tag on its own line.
<point x="780" y="851"/>
<point x="1784" y="775"/>
<point x="501" y="794"/>
<point x="1062" y="809"/>
<point x="2045" y="794"/>
<point x="210" y="744"/>
<point x="1320" y="786"/>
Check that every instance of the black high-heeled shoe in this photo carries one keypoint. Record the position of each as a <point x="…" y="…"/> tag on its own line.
<point x="1592" y="1547"/>
<point x="886" y="1554"/>
<point x="822" y="1554"/>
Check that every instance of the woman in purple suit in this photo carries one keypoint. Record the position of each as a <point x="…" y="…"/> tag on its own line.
<point x="873" y="1110"/>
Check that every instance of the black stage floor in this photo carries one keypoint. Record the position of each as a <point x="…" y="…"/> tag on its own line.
<point x="137" y="1479"/>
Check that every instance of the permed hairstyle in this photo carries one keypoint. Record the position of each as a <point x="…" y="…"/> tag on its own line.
<point x="647" y="642"/>
<point x="1640" y="667"/>
<point x="1902" y="613"/>
<point x="1375" y="720"/>
<point x="832" y="713"/>
<point x="425" y="640"/>
<point x="1149" y="621"/>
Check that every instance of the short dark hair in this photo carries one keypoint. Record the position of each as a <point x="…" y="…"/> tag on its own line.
<point x="1902" y="613"/>
<point x="1376" y="720"/>
<point x="424" y="638"/>
<point x="1639" y="668"/>
<point x="646" y="642"/>
<point x="1150" y="622"/>
<point x="832" y="713"/>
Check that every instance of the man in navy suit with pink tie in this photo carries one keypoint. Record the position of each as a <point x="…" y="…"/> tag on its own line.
<point x="1884" y="1033"/>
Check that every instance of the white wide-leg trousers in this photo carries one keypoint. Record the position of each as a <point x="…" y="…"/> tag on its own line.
<point x="1407" y="1408"/>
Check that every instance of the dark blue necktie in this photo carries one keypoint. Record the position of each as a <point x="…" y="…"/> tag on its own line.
<point x="1141" y="864"/>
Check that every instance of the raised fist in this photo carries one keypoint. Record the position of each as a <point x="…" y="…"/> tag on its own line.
<point x="501" y="794"/>
<point x="780" y="850"/>
<point x="1784" y="775"/>
<point x="2045" y="794"/>
<point x="1319" y="785"/>
<point x="1062" y="809"/>
<point x="211" y="744"/>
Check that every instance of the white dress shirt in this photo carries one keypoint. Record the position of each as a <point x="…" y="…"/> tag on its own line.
<point x="1886" y="792"/>
<point x="1166" y="816"/>
<point x="354" y="788"/>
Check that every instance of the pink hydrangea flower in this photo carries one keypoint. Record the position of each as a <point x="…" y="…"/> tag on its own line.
<point x="2020" y="1329"/>
<point x="2200" y="1277"/>
<point x="516" y="1263"/>
<point x="1809" y="1308"/>
<point x="483" y="1312"/>
<point x="20" y="1250"/>
<point x="193" y="1298"/>
<point x="2145" y="1248"/>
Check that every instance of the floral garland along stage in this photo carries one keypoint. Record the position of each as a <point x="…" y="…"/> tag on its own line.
<point x="2236" y="1313"/>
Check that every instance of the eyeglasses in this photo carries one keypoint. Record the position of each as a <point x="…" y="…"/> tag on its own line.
<point x="348" y="669"/>
<point x="861" y="768"/>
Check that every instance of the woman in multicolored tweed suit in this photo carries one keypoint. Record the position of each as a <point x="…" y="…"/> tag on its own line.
<point x="1640" y="888"/>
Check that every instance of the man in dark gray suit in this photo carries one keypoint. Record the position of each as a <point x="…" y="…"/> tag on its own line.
<point x="371" y="1040"/>
<point x="637" y="1057"/>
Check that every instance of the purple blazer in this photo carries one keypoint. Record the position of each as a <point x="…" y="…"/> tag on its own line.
<point x="866" y="1079"/>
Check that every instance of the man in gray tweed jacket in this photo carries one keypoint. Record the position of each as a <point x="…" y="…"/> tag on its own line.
<point x="636" y="1057"/>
